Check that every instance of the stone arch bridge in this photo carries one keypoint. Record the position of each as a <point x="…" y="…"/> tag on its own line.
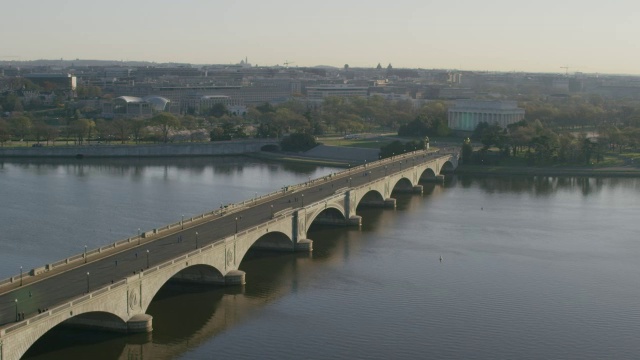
<point x="111" y="288"/>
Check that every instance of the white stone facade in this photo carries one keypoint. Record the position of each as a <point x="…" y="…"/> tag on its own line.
<point x="465" y="115"/>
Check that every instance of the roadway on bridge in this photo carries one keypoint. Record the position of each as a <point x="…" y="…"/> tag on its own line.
<point x="48" y="290"/>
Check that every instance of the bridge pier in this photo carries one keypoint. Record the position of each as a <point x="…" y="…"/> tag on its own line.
<point x="390" y="203"/>
<point x="354" y="220"/>
<point x="436" y="179"/>
<point x="235" y="277"/>
<point x="140" y="323"/>
<point x="304" y="245"/>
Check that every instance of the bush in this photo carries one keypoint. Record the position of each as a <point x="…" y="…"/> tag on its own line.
<point x="298" y="142"/>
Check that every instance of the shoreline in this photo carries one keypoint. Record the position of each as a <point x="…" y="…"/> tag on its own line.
<point x="547" y="171"/>
<point x="292" y="158"/>
<point x="626" y="171"/>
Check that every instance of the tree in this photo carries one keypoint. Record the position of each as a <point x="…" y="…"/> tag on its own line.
<point x="20" y="127"/>
<point x="265" y="108"/>
<point x="545" y="147"/>
<point x="218" y="110"/>
<point x="105" y="130"/>
<point x="165" y="122"/>
<point x="467" y="151"/>
<point x="52" y="134"/>
<point x="5" y="134"/>
<point x="137" y="128"/>
<point x="122" y="129"/>
<point x="82" y="129"/>
<point x="228" y="131"/>
<point x="298" y="142"/>
<point x="40" y="130"/>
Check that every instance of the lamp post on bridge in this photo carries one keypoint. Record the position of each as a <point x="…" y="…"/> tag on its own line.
<point x="85" y="254"/>
<point x="17" y="318"/>
<point x="20" y="275"/>
<point x="240" y="218"/>
<point x="302" y="199"/>
<point x="196" y="239"/>
<point x="148" y="258"/>
<point x="272" y="211"/>
<point x="87" y="282"/>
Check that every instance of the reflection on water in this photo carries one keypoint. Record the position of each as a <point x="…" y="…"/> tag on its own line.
<point x="540" y="185"/>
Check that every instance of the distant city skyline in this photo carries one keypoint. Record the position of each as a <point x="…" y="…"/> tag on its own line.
<point x="544" y="36"/>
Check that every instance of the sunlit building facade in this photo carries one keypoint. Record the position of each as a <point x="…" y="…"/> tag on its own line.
<point x="465" y="115"/>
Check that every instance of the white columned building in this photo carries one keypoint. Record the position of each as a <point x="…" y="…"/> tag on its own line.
<point x="465" y="115"/>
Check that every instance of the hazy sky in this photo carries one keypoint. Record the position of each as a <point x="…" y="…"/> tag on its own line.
<point x="514" y="35"/>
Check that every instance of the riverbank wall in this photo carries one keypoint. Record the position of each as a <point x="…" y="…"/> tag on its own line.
<point x="341" y="156"/>
<point x="236" y="147"/>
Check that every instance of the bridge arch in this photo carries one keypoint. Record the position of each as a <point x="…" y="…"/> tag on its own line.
<point x="78" y="318"/>
<point x="199" y="273"/>
<point x="274" y="240"/>
<point x="372" y="197"/>
<point x="403" y="184"/>
<point x="193" y="270"/>
<point x="82" y="320"/>
<point x="447" y="168"/>
<point x="328" y="215"/>
<point x="428" y="174"/>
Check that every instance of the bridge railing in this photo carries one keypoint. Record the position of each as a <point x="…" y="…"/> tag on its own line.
<point x="62" y="307"/>
<point x="224" y="210"/>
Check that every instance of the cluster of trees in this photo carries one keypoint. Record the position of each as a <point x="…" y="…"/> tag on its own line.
<point x="338" y="115"/>
<point x="541" y="145"/>
<point x="430" y="121"/>
<point x="163" y="127"/>
<point x="574" y="130"/>
<point x="298" y="142"/>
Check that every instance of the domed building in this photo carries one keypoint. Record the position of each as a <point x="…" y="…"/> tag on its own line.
<point x="131" y="106"/>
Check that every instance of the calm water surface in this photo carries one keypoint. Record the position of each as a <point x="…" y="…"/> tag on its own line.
<point x="532" y="268"/>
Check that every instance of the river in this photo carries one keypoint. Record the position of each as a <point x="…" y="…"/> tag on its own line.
<point x="477" y="268"/>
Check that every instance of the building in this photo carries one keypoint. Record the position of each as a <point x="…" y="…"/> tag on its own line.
<point x="131" y="106"/>
<point x="319" y="93"/>
<point x="465" y="115"/>
<point x="53" y="81"/>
